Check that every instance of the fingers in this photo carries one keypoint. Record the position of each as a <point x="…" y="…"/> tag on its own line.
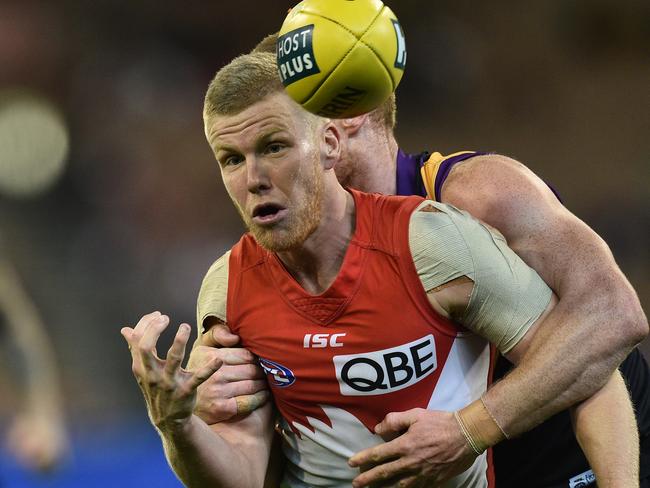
<point x="219" y="335"/>
<point x="147" y="344"/>
<point x="205" y="372"/>
<point x="238" y="363"/>
<point x="397" y="422"/>
<point x="248" y="403"/>
<point x="410" y="482"/>
<point x="142" y="341"/>
<point x="212" y="412"/>
<point x="376" y="455"/>
<point x="229" y="356"/>
<point x="150" y="335"/>
<point x="382" y="473"/>
<point x="242" y="372"/>
<point x="145" y="320"/>
<point x="134" y="334"/>
<point x="176" y="352"/>
<point x="244" y="388"/>
<point x="218" y="410"/>
<point x="140" y="327"/>
<point x="127" y="332"/>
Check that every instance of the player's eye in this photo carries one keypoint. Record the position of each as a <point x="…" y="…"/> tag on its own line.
<point x="232" y="160"/>
<point x="274" y="147"/>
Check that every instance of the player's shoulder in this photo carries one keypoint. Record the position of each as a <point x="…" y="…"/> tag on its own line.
<point x="385" y="211"/>
<point x="436" y="167"/>
<point x="213" y="294"/>
<point x="218" y="268"/>
<point x="243" y="255"/>
<point x="490" y="172"/>
<point x="215" y="281"/>
<point x="493" y="183"/>
<point x="438" y="222"/>
<point x="487" y="164"/>
<point x="435" y="213"/>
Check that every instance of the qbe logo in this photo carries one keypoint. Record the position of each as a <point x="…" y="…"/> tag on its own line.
<point x="388" y="370"/>
<point x="279" y="375"/>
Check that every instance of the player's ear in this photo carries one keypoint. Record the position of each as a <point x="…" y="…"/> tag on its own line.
<point x="331" y="147"/>
<point x="352" y="125"/>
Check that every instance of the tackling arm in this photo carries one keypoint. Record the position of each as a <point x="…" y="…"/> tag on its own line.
<point x="578" y="347"/>
<point x="598" y="309"/>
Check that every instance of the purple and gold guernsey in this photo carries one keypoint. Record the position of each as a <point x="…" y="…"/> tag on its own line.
<point x="423" y="174"/>
<point x="549" y="455"/>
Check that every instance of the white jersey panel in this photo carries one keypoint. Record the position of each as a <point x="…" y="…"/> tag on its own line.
<point x="319" y="458"/>
<point x="464" y="376"/>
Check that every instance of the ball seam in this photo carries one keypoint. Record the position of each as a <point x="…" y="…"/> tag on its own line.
<point x="358" y="40"/>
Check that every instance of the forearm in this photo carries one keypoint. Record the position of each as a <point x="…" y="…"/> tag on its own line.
<point x="201" y="457"/>
<point x="606" y="429"/>
<point x="570" y="357"/>
<point x="598" y="318"/>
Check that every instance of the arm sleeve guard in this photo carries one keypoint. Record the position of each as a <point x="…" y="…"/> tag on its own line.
<point x="214" y="293"/>
<point x="508" y="296"/>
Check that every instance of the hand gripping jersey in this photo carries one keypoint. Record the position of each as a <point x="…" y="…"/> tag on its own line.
<point x="558" y="460"/>
<point x="370" y="345"/>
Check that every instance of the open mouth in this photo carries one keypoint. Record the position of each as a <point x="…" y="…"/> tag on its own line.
<point x="268" y="213"/>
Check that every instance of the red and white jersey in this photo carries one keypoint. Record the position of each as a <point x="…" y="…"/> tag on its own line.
<point x="371" y="344"/>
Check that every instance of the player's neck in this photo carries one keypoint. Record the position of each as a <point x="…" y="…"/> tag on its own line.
<point x="389" y="167"/>
<point x="375" y="165"/>
<point x="318" y="261"/>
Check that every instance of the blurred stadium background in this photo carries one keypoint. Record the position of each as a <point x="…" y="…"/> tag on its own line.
<point x="114" y="207"/>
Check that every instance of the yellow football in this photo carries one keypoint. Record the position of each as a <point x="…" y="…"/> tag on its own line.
<point x="341" y="58"/>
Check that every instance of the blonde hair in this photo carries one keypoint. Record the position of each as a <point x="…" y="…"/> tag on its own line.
<point x="243" y="82"/>
<point x="383" y="116"/>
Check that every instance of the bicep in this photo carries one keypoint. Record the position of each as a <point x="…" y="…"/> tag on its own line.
<point x="508" y="196"/>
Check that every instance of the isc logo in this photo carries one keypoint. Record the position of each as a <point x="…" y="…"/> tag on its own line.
<point x="388" y="370"/>
<point x="322" y="340"/>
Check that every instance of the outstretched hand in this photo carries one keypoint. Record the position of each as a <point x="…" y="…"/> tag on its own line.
<point x="168" y="389"/>
<point x="427" y="447"/>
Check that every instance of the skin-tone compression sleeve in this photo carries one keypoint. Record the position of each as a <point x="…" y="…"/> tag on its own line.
<point x="507" y="297"/>
<point x="214" y="293"/>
